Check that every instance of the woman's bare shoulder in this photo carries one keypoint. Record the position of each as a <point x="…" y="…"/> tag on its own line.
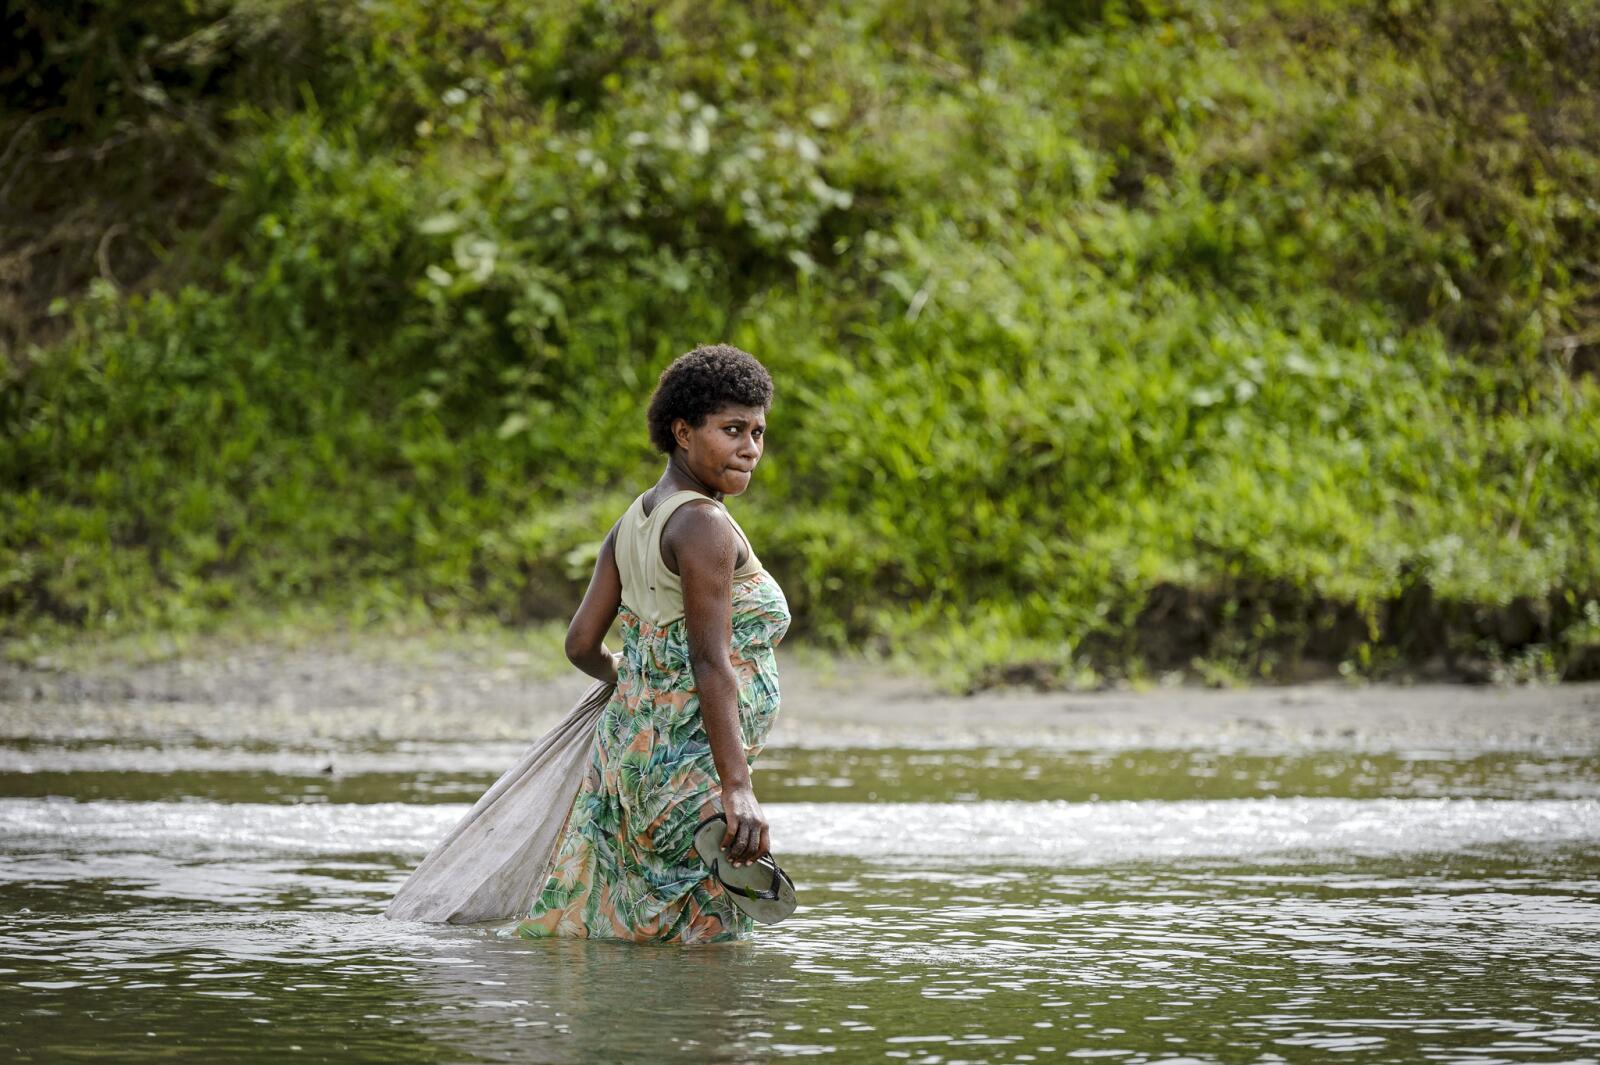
<point x="699" y="534"/>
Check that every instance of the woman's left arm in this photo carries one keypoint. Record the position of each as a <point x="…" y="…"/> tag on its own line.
<point x="586" y="636"/>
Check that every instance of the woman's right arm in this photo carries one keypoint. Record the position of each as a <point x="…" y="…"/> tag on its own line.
<point x="706" y="548"/>
<point x="586" y="636"/>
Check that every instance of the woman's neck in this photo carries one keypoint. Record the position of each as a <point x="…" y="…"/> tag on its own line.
<point x="678" y="478"/>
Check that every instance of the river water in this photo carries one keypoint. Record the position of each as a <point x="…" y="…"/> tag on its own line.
<point x="185" y="900"/>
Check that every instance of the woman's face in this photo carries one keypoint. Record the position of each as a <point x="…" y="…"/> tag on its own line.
<point x="722" y="451"/>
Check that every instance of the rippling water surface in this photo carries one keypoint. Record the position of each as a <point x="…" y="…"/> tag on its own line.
<point x="980" y="905"/>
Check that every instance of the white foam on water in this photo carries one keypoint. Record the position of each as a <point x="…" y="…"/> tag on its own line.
<point x="1054" y="833"/>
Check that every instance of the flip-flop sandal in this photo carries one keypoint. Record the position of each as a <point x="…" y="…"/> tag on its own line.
<point x="760" y="889"/>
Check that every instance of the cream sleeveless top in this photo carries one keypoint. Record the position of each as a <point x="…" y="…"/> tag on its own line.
<point x="649" y="588"/>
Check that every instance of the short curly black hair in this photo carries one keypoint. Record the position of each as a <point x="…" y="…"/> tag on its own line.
<point x="701" y="382"/>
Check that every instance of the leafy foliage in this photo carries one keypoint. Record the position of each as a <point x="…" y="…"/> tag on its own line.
<point x="1107" y="335"/>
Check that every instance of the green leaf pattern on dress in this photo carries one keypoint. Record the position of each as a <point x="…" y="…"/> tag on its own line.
<point x="625" y="867"/>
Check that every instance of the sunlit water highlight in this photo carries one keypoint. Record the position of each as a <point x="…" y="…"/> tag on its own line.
<point x="1136" y="906"/>
<point x="1020" y="832"/>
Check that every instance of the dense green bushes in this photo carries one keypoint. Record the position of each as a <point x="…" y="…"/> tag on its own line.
<point x="1107" y="336"/>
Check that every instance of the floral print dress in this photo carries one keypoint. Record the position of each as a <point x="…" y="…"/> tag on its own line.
<point x="626" y="867"/>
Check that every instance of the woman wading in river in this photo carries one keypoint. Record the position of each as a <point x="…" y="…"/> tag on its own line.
<point x="668" y="733"/>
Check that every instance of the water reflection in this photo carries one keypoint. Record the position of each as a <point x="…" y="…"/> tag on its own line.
<point x="580" y="1001"/>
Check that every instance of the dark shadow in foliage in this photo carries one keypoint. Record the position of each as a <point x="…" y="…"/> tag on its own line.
<point x="1274" y="628"/>
<point x="112" y="119"/>
<point x="1051" y="20"/>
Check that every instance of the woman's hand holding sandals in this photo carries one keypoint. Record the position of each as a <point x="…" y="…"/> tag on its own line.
<point x="747" y="837"/>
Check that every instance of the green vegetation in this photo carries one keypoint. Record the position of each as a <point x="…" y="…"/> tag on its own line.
<point x="1110" y="338"/>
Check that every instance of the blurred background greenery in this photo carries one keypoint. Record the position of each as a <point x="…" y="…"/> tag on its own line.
<point x="1112" y="340"/>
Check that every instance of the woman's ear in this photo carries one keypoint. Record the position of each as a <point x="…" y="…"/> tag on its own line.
<point x="680" y="432"/>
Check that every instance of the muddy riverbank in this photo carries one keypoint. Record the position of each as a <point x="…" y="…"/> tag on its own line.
<point x="346" y="689"/>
